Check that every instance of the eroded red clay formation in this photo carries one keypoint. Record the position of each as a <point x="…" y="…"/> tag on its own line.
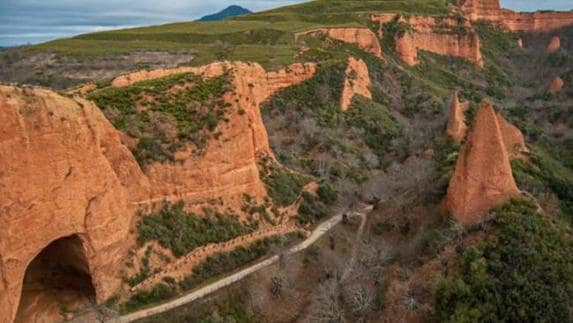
<point x="436" y="35"/>
<point x="483" y="177"/>
<point x="554" y="45"/>
<point x="457" y="128"/>
<point x="515" y="21"/>
<point x="556" y="85"/>
<point x="214" y="175"/>
<point x="357" y="82"/>
<point x="362" y="37"/>
<point x="64" y="172"/>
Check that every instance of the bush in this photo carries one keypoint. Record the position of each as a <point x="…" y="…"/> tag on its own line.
<point x="311" y="209"/>
<point x="182" y="231"/>
<point x="159" y="292"/>
<point x="165" y="113"/>
<point x="283" y="185"/>
<point x="542" y="173"/>
<point x="225" y="262"/>
<point x="523" y="272"/>
<point x="327" y="193"/>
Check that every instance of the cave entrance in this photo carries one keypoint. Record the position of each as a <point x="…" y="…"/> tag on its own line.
<point x="57" y="282"/>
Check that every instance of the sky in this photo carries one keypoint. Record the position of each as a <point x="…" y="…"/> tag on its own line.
<point x="35" y="21"/>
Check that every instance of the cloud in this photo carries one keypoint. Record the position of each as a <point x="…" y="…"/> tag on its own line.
<point x="34" y="21"/>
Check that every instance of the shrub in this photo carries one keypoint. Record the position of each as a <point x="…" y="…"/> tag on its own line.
<point x="283" y="185"/>
<point x="523" y="272"/>
<point x="225" y="262"/>
<point x="159" y="292"/>
<point x="327" y="193"/>
<point x="182" y="231"/>
<point x="311" y="209"/>
<point x="165" y="113"/>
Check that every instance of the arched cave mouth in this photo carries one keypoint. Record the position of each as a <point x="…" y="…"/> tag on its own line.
<point x="57" y="281"/>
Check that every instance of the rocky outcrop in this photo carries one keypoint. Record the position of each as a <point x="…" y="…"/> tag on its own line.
<point x="356" y="82"/>
<point x="456" y="127"/>
<point x="554" y="45"/>
<point x="447" y="36"/>
<point x="513" y="139"/>
<point x="63" y="172"/>
<point x="514" y="21"/>
<point x="362" y="37"/>
<point x="227" y="169"/>
<point x="555" y="86"/>
<point x="483" y="176"/>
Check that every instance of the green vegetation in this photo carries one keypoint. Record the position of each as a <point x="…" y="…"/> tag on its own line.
<point x="316" y="207"/>
<point x="215" y="265"/>
<point x="375" y="120"/>
<point x="283" y="185"/>
<point x="158" y="293"/>
<point x="447" y="152"/>
<point x="543" y="174"/>
<point x="182" y="231"/>
<point x="318" y="96"/>
<point x="165" y="113"/>
<point x="225" y="262"/>
<point x="144" y="271"/>
<point x="522" y="272"/>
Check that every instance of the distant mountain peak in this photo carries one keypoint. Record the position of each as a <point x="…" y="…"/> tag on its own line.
<point x="230" y="11"/>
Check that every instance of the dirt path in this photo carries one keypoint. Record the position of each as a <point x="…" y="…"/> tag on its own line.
<point x="184" y="265"/>
<point x="226" y="281"/>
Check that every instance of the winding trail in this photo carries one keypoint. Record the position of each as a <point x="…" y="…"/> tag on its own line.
<point x="316" y="234"/>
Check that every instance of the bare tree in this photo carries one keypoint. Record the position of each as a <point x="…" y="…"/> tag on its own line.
<point x="327" y="305"/>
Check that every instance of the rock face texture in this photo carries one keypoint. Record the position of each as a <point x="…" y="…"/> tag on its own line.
<point x="357" y="82"/>
<point x="228" y="167"/>
<point x="556" y="85"/>
<point x="434" y="35"/>
<point x="554" y="45"/>
<point x="513" y="139"/>
<point x="483" y="177"/>
<point x="456" y="127"/>
<point x="528" y="22"/>
<point x="63" y="172"/>
<point x="362" y="37"/>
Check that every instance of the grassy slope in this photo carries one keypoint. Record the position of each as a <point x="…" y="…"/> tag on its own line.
<point x="263" y="37"/>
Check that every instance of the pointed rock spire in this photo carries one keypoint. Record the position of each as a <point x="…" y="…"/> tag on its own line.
<point x="483" y="177"/>
<point x="356" y="82"/>
<point x="554" y="45"/>
<point x="457" y="122"/>
<point x="556" y="85"/>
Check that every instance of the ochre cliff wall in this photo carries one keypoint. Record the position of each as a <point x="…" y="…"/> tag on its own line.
<point x="437" y="35"/>
<point x="228" y="167"/>
<point x="362" y="37"/>
<point x="515" y="21"/>
<point x="483" y="176"/>
<point x="63" y="172"/>
<point x="356" y="82"/>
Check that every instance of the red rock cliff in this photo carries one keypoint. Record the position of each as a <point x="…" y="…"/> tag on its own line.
<point x="436" y="35"/>
<point x="228" y="167"/>
<point x="483" y="176"/>
<point x="63" y="172"/>
<point x="356" y="82"/>
<point x="529" y="22"/>
<point x="362" y="37"/>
